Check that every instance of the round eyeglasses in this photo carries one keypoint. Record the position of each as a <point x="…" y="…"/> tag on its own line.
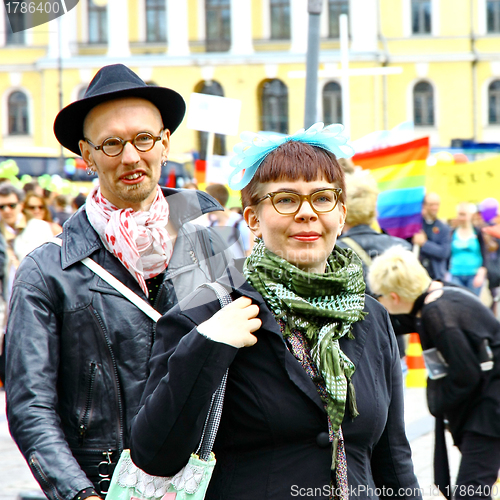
<point x="113" y="146"/>
<point x="289" y="203"/>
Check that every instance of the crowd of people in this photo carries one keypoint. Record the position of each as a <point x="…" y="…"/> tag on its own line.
<point x="127" y="353"/>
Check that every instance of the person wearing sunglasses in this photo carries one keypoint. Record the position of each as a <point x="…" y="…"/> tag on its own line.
<point x="314" y="400"/>
<point x="77" y="349"/>
<point x="39" y="227"/>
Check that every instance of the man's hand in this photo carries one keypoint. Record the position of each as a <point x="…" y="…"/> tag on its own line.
<point x="419" y="238"/>
<point x="234" y="324"/>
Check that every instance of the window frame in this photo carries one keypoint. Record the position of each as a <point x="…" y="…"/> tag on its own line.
<point x="422" y="28"/>
<point x="427" y="106"/>
<point x="12" y="129"/>
<point x="496" y="21"/>
<point x="223" y="41"/>
<point x="267" y="121"/>
<point x="159" y="10"/>
<point x="496" y="95"/>
<point x="328" y="95"/>
<point x="333" y="24"/>
<point x="284" y="21"/>
<point x="101" y="14"/>
<point x="11" y="38"/>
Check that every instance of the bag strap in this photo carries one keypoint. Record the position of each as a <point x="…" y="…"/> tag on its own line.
<point x="117" y="285"/>
<point x="358" y="249"/>
<point x="215" y="411"/>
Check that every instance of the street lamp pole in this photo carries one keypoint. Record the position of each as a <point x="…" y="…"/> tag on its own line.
<point x="60" y="75"/>
<point x="312" y="60"/>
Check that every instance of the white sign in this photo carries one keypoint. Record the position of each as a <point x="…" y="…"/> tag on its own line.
<point x="218" y="169"/>
<point x="211" y="113"/>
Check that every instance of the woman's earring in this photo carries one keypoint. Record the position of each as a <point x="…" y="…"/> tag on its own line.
<point x="90" y="170"/>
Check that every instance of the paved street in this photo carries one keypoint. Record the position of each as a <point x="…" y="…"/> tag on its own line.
<point x="15" y="476"/>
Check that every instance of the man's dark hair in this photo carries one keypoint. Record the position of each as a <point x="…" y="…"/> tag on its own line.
<point x="6" y="189"/>
<point x="79" y="200"/>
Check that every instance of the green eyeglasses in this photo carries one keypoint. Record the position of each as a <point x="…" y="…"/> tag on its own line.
<point x="289" y="203"/>
<point x="113" y="146"/>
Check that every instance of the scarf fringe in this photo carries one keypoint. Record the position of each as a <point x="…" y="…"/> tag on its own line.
<point x="353" y="407"/>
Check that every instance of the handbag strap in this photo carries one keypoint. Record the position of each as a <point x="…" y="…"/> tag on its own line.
<point x="117" y="285"/>
<point x="215" y="411"/>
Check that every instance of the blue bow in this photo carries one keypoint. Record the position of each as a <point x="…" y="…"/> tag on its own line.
<point x="255" y="147"/>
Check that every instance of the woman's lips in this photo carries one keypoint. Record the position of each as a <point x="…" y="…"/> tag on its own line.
<point x="308" y="237"/>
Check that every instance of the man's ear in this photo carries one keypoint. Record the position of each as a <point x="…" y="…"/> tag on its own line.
<point x="85" y="150"/>
<point x="252" y="219"/>
<point x="165" y="141"/>
<point x="395" y="297"/>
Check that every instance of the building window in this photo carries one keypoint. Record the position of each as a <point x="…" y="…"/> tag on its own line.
<point x="17" y="23"/>
<point x="423" y="105"/>
<point x="280" y="19"/>
<point x="156" y="21"/>
<point x="211" y="88"/>
<point x="18" y="113"/>
<point x="332" y="103"/>
<point x="420" y="17"/>
<point x="335" y="9"/>
<point x="218" y="25"/>
<point x="493" y="16"/>
<point x="274" y="105"/>
<point x="494" y="103"/>
<point x="98" y="23"/>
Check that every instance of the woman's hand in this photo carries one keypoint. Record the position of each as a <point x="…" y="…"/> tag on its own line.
<point x="234" y="324"/>
<point x="479" y="277"/>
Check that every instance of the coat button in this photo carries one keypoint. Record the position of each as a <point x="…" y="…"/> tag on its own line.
<point x="323" y="440"/>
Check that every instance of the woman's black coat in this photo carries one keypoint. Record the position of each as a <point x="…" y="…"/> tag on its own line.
<point x="272" y="441"/>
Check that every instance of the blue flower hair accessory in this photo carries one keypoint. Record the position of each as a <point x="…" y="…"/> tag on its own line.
<point x="255" y="147"/>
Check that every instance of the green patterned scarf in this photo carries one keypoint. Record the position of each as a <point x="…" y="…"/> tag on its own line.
<point x="321" y="306"/>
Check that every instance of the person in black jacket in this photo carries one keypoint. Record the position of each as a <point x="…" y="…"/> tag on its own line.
<point x="461" y="342"/>
<point x="314" y="401"/>
<point x="434" y="239"/>
<point x="77" y="349"/>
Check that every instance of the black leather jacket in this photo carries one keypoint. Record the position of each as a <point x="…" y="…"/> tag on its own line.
<point x="78" y="351"/>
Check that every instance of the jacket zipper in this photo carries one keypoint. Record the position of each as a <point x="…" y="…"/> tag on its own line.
<point x="44" y="480"/>
<point x="117" y="380"/>
<point x="84" y="422"/>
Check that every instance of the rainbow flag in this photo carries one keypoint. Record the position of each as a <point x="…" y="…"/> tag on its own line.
<point x="400" y="173"/>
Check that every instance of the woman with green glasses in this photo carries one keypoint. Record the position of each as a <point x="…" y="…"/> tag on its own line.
<point x="314" y="401"/>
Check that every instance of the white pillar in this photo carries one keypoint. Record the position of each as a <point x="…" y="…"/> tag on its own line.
<point x="299" y="26"/>
<point x="177" y="28"/>
<point x="363" y="19"/>
<point x="3" y="20"/>
<point x="59" y="41"/>
<point x="241" y="27"/>
<point x="118" y="29"/>
<point x="344" y="56"/>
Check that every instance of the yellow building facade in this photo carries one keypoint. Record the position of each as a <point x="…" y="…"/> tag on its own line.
<point x="433" y="62"/>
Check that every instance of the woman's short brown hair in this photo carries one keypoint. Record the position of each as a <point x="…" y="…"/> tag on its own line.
<point x="291" y="161"/>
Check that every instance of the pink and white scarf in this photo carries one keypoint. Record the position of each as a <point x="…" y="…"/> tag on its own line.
<point x="139" y="240"/>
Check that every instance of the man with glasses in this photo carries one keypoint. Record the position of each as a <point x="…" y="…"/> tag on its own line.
<point x="78" y="350"/>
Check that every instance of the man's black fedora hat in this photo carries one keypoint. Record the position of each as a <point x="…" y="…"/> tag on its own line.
<point x="115" y="82"/>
